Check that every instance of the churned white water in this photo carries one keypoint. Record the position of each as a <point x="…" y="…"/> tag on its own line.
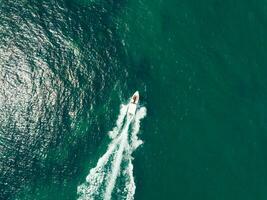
<point x="101" y="182"/>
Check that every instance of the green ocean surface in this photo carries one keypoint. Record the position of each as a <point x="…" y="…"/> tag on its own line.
<point x="66" y="66"/>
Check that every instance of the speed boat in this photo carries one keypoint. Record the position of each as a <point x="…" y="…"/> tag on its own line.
<point x="133" y="104"/>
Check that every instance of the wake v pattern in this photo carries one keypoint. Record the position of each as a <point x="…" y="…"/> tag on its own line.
<point x="116" y="163"/>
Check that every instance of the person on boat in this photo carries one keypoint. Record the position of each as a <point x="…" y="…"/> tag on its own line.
<point x="134" y="99"/>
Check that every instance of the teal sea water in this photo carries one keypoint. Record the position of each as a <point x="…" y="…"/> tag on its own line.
<point x="66" y="67"/>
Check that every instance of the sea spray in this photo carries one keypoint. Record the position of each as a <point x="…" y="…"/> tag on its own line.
<point x="135" y="142"/>
<point x="116" y="165"/>
<point x="101" y="180"/>
<point x="112" y="134"/>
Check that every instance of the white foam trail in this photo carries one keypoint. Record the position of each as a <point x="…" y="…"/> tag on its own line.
<point x="116" y="164"/>
<point x="101" y="180"/>
<point x="130" y="185"/>
<point x="135" y="142"/>
<point x="96" y="175"/>
<point x="119" y="122"/>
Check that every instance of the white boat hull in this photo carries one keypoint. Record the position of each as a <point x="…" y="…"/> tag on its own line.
<point x="132" y="109"/>
<point x="133" y="104"/>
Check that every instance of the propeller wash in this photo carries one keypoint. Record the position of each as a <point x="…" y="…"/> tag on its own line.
<point x="113" y="174"/>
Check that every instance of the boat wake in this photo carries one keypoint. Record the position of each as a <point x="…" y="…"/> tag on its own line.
<point x="113" y="174"/>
